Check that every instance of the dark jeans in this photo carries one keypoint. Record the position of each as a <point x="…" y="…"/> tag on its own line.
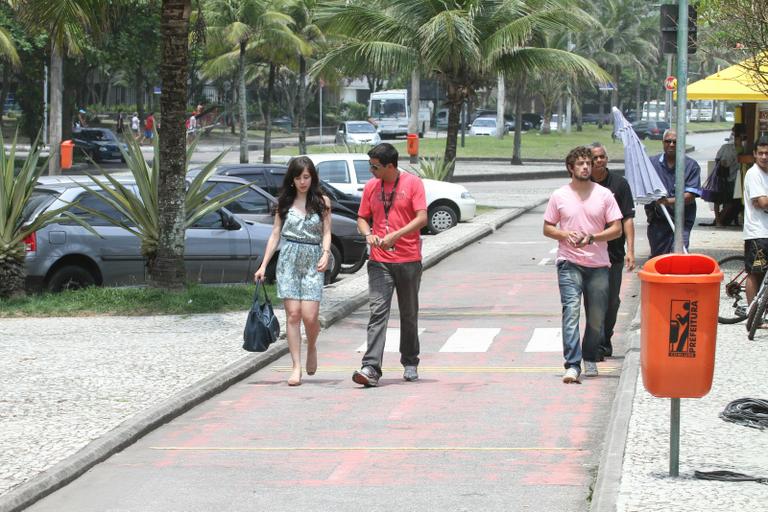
<point x="614" y="287"/>
<point x="661" y="238"/>
<point x="383" y="280"/>
<point x="575" y="281"/>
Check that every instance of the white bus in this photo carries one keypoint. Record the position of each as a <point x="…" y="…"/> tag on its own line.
<point x="390" y="111"/>
<point x="654" y="110"/>
<point x="701" y="110"/>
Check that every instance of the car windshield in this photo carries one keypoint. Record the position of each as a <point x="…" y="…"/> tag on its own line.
<point x="95" y="135"/>
<point x="330" y="190"/>
<point x="361" y="128"/>
<point x="387" y="108"/>
<point x="38" y="200"/>
<point x="485" y="122"/>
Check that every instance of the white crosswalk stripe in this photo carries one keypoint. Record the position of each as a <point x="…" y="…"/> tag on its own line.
<point x="393" y="341"/>
<point x="471" y="339"/>
<point x="545" y="339"/>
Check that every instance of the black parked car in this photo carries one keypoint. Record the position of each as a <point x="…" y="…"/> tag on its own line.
<point x="270" y="177"/>
<point x="99" y="143"/>
<point x="348" y="246"/>
<point x="647" y="129"/>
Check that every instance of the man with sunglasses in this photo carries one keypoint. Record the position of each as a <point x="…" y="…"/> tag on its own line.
<point x="397" y="204"/>
<point x="661" y="237"/>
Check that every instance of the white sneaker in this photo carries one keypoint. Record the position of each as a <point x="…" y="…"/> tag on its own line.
<point x="590" y="369"/>
<point x="571" y="375"/>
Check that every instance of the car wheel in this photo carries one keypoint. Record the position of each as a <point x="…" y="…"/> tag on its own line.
<point x="70" y="277"/>
<point x="334" y="266"/>
<point x="440" y="218"/>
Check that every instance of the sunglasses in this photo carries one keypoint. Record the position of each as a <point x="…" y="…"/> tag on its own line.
<point x="670" y="141"/>
<point x="376" y="167"/>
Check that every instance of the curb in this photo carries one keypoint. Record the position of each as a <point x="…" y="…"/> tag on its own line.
<point x="607" y="483"/>
<point x="135" y="427"/>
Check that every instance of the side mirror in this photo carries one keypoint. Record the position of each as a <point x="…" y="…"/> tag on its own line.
<point x="229" y="222"/>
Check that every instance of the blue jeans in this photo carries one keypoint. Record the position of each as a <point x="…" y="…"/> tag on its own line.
<point x="575" y="281"/>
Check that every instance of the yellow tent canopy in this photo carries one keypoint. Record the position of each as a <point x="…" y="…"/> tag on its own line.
<point x="733" y="83"/>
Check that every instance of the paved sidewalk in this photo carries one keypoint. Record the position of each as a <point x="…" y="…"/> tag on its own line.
<point x="634" y="470"/>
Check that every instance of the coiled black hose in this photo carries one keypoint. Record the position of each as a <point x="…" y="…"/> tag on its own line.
<point x="749" y="412"/>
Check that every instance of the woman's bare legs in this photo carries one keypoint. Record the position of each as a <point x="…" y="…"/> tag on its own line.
<point x="293" y="315"/>
<point x="310" y="311"/>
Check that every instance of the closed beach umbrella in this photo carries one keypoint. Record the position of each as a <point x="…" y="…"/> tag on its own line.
<point x="646" y="185"/>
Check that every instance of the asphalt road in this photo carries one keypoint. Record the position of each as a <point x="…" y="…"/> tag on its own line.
<point x="489" y="426"/>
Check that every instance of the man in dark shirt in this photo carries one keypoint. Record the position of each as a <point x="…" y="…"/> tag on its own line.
<point x="618" y="256"/>
<point x="660" y="235"/>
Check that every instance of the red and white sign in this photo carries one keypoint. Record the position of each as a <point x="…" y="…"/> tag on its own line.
<point x="670" y="83"/>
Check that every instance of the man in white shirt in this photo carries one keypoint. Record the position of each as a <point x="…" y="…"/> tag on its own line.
<point x="756" y="219"/>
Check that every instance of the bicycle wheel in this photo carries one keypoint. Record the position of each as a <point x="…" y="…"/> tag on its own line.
<point x="762" y="302"/>
<point x="733" y="301"/>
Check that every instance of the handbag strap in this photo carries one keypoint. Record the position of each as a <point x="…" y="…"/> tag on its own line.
<point x="256" y="294"/>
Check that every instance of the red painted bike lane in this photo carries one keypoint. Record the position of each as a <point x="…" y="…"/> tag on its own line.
<point x="489" y="425"/>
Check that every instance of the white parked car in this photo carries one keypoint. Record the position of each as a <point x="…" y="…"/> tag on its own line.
<point x="484" y="126"/>
<point x="447" y="203"/>
<point x="357" y="132"/>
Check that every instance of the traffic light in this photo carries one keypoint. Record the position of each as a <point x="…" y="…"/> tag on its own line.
<point x="669" y="28"/>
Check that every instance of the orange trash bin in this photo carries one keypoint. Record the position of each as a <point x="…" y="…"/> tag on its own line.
<point x="412" y="144"/>
<point x="67" y="147"/>
<point x="679" y="300"/>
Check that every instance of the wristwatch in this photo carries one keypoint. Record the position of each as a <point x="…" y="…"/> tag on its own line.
<point x="590" y="239"/>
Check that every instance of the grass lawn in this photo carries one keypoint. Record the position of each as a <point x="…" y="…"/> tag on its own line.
<point x="135" y="301"/>
<point x="534" y="145"/>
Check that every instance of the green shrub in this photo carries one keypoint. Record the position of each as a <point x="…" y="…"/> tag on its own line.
<point x="435" y="168"/>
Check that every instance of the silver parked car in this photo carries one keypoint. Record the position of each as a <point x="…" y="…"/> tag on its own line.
<point x="357" y="132"/>
<point x="257" y="205"/>
<point x="220" y="248"/>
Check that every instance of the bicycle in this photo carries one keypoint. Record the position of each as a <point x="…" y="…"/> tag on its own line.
<point x="733" y="300"/>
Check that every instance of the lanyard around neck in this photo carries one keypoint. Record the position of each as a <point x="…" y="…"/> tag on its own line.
<point x="387" y="201"/>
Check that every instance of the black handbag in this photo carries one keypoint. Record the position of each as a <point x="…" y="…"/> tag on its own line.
<point x="262" y="327"/>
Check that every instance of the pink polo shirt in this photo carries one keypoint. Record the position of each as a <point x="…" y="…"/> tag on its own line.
<point x="589" y="215"/>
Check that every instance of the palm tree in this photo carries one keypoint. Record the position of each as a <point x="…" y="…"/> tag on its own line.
<point x="244" y="25"/>
<point x="462" y="43"/>
<point x="67" y="23"/>
<point x="304" y="26"/>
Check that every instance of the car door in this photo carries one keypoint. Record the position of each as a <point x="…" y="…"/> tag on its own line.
<point x="337" y="173"/>
<point x="218" y="250"/>
<point x="117" y="250"/>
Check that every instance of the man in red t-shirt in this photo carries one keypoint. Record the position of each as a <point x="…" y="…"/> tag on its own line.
<point x="397" y="205"/>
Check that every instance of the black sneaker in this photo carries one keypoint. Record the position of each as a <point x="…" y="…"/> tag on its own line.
<point x="366" y="376"/>
<point x="410" y="374"/>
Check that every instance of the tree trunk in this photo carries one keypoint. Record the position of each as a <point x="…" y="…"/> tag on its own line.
<point x="54" y="121"/>
<point x="455" y="100"/>
<point x="518" y="140"/>
<point x="615" y="91"/>
<point x="600" y="109"/>
<point x="413" y="120"/>
<point x="301" y="113"/>
<point x="638" y="98"/>
<point x="500" y="92"/>
<point x="166" y="270"/>
<point x="268" y="113"/>
<point x="4" y="91"/>
<point x="12" y="277"/>
<point x="243" y="106"/>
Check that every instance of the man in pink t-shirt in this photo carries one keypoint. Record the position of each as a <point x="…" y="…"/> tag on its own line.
<point x="392" y="212"/>
<point x="582" y="216"/>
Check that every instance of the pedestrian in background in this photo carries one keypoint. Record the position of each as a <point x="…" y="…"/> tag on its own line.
<point x="619" y="257"/>
<point x="303" y="223"/>
<point x="756" y="219"/>
<point x="661" y="237"/>
<point x="727" y="208"/>
<point x="135" y="123"/>
<point x="397" y="204"/>
<point x="120" y="122"/>
<point x="582" y="216"/>
<point x="149" y="127"/>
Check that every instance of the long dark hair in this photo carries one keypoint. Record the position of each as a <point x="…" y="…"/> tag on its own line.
<point x="315" y="201"/>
